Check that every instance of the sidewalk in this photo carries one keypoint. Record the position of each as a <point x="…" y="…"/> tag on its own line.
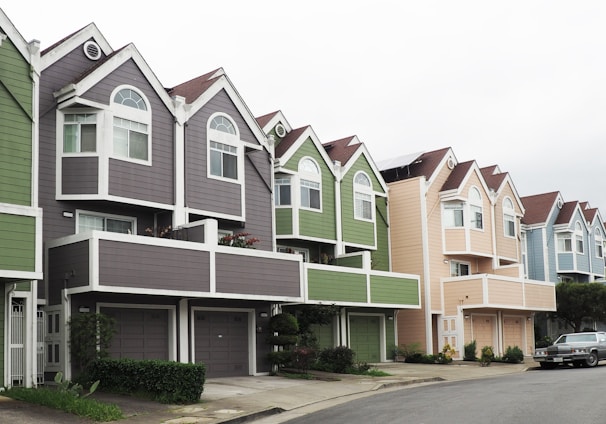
<point x="272" y="399"/>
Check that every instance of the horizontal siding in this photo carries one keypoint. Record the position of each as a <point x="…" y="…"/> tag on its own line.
<point x="505" y="293"/>
<point x="284" y="221"/>
<point x="540" y="296"/>
<point x="17" y="242"/>
<point x="80" y="175"/>
<point x="336" y="286"/>
<point x="257" y="276"/>
<point x="68" y="267"/>
<point x="392" y="290"/>
<point x="470" y="291"/>
<point x="153" y="267"/>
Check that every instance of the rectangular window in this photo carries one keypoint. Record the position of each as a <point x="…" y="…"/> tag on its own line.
<point x="363" y="206"/>
<point x="223" y="160"/>
<point x="579" y="244"/>
<point x="80" y="133"/>
<point x="282" y="195"/>
<point x="295" y="251"/>
<point x="310" y="194"/>
<point x="458" y="269"/>
<point x="476" y="217"/>
<point x="599" y="248"/>
<point x="453" y="214"/>
<point x="130" y="139"/>
<point x="510" y="225"/>
<point x="102" y="223"/>
<point x="564" y="243"/>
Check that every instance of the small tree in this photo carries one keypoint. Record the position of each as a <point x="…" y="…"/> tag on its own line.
<point x="578" y="302"/>
<point x="284" y="328"/>
<point x="90" y="338"/>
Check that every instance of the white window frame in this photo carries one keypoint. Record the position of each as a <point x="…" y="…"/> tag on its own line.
<point x="450" y="210"/>
<point x="476" y="209"/>
<point x="579" y="239"/>
<point x="78" y="148"/>
<point x="599" y="243"/>
<point x="132" y="115"/>
<point x="363" y="193"/>
<point x="294" y="250"/>
<point x="509" y="218"/>
<point x="105" y="216"/>
<point x="226" y="139"/>
<point x="455" y="268"/>
<point x="564" y="243"/>
<point x="307" y="178"/>
<point x="279" y="182"/>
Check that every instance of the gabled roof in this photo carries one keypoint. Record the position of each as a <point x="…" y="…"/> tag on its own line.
<point x="457" y="176"/>
<point x="265" y="119"/>
<point x="291" y="143"/>
<point x="538" y="207"/>
<point x="195" y="87"/>
<point x="404" y="167"/>
<point x="590" y="213"/>
<point x="342" y="150"/>
<point x="494" y="177"/>
<point x="289" y="140"/>
<point x="67" y="44"/>
<point x="29" y="51"/>
<point x="567" y="212"/>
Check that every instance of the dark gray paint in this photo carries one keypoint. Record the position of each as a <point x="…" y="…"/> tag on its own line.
<point x="153" y="267"/>
<point x="256" y="276"/>
<point x="68" y="268"/>
<point x="80" y="175"/>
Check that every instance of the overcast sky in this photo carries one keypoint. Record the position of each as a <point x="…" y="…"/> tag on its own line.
<point x="520" y="84"/>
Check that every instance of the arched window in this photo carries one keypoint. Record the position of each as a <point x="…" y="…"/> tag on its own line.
<point x="224" y="148"/>
<point x="509" y="218"/>
<point x="475" y="207"/>
<point x="132" y="125"/>
<point x="599" y="243"/>
<point x="363" y="197"/>
<point x="579" y="241"/>
<point x="311" y="187"/>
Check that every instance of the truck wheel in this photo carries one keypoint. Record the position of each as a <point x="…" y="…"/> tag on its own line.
<point x="592" y="359"/>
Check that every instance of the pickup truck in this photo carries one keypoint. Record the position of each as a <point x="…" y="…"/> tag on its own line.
<point x="578" y="349"/>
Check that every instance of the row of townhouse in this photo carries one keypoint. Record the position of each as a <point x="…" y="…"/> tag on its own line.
<point x="139" y="183"/>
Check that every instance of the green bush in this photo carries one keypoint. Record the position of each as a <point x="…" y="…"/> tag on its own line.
<point x="487" y="356"/>
<point x="281" y="358"/>
<point x="513" y="355"/>
<point x="338" y="359"/>
<point x="163" y="381"/>
<point x="470" y="351"/>
<point x="66" y="401"/>
<point x="544" y="342"/>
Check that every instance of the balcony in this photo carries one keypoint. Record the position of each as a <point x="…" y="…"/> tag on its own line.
<point x="122" y="263"/>
<point x="361" y="286"/>
<point x="494" y="291"/>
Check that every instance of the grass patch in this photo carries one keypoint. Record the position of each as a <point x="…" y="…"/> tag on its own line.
<point x="83" y="407"/>
<point x="297" y="376"/>
<point x="374" y="372"/>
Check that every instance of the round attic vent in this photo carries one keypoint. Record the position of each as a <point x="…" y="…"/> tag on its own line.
<point x="450" y="163"/>
<point x="280" y="130"/>
<point x="92" y="50"/>
<point x="560" y="204"/>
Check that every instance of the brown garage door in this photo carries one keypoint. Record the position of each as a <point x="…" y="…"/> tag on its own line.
<point x="222" y="342"/>
<point x="140" y="333"/>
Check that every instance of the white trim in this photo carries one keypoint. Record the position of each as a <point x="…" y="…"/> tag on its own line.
<point x="212" y="214"/>
<point x="252" y="334"/>
<point x="79" y="38"/>
<point x="172" y="320"/>
<point x="126" y="218"/>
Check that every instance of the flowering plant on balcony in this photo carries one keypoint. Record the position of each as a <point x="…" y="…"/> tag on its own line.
<point x="239" y="240"/>
<point x="163" y="232"/>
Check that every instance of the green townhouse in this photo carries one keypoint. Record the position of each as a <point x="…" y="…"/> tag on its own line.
<point x="331" y="208"/>
<point x="21" y="350"/>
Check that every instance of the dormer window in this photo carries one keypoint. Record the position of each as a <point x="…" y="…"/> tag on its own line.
<point x="310" y="184"/>
<point x="132" y="124"/>
<point x="363" y="197"/>
<point x="475" y="207"/>
<point x="453" y="214"/>
<point x="224" y="149"/>
<point x="578" y="238"/>
<point x="599" y="243"/>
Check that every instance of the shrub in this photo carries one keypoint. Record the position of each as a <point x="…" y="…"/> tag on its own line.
<point x="445" y="357"/>
<point x="163" y="381"/>
<point x="90" y="338"/>
<point x="487" y="356"/>
<point x="303" y="357"/>
<point x="280" y="358"/>
<point x="65" y="401"/>
<point x="338" y="359"/>
<point x="513" y="355"/>
<point x="544" y="342"/>
<point x="470" y="351"/>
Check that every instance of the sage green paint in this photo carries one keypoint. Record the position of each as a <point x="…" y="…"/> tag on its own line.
<point x="350" y="261"/>
<point x="311" y="223"/>
<point x="16" y="88"/>
<point x="17" y="242"/>
<point x="284" y="221"/>
<point x="380" y="257"/>
<point x="324" y="335"/>
<point x="394" y="290"/>
<point x="336" y="286"/>
<point x="2" y="322"/>
<point x="357" y="231"/>
<point x="365" y="337"/>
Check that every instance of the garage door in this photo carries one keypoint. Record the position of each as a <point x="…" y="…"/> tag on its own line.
<point x="483" y="332"/>
<point x="365" y="338"/>
<point x="140" y="333"/>
<point x="512" y="332"/>
<point x="222" y="342"/>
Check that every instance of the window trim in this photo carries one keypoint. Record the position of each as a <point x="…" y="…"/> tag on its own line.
<point x="295" y="250"/>
<point x="509" y="211"/>
<point x="132" y="114"/>
<point x="579" y="237"/>
<point x="312" y="177"/>
<point x="475" y="204"/>
<point x="277" y="193"/>
<point x="457" y="264"/>
<point x="453" y="206"/>
<point x="363" y="190"/>
<point x="61" y="131"/>
<point x="563" y="237"/>
<point x="80" y="212"/>
<point x="227" y="139"/>
<point x="599" y="243"/>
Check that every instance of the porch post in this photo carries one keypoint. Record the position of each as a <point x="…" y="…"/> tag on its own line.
<point x="183" y="341"/>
